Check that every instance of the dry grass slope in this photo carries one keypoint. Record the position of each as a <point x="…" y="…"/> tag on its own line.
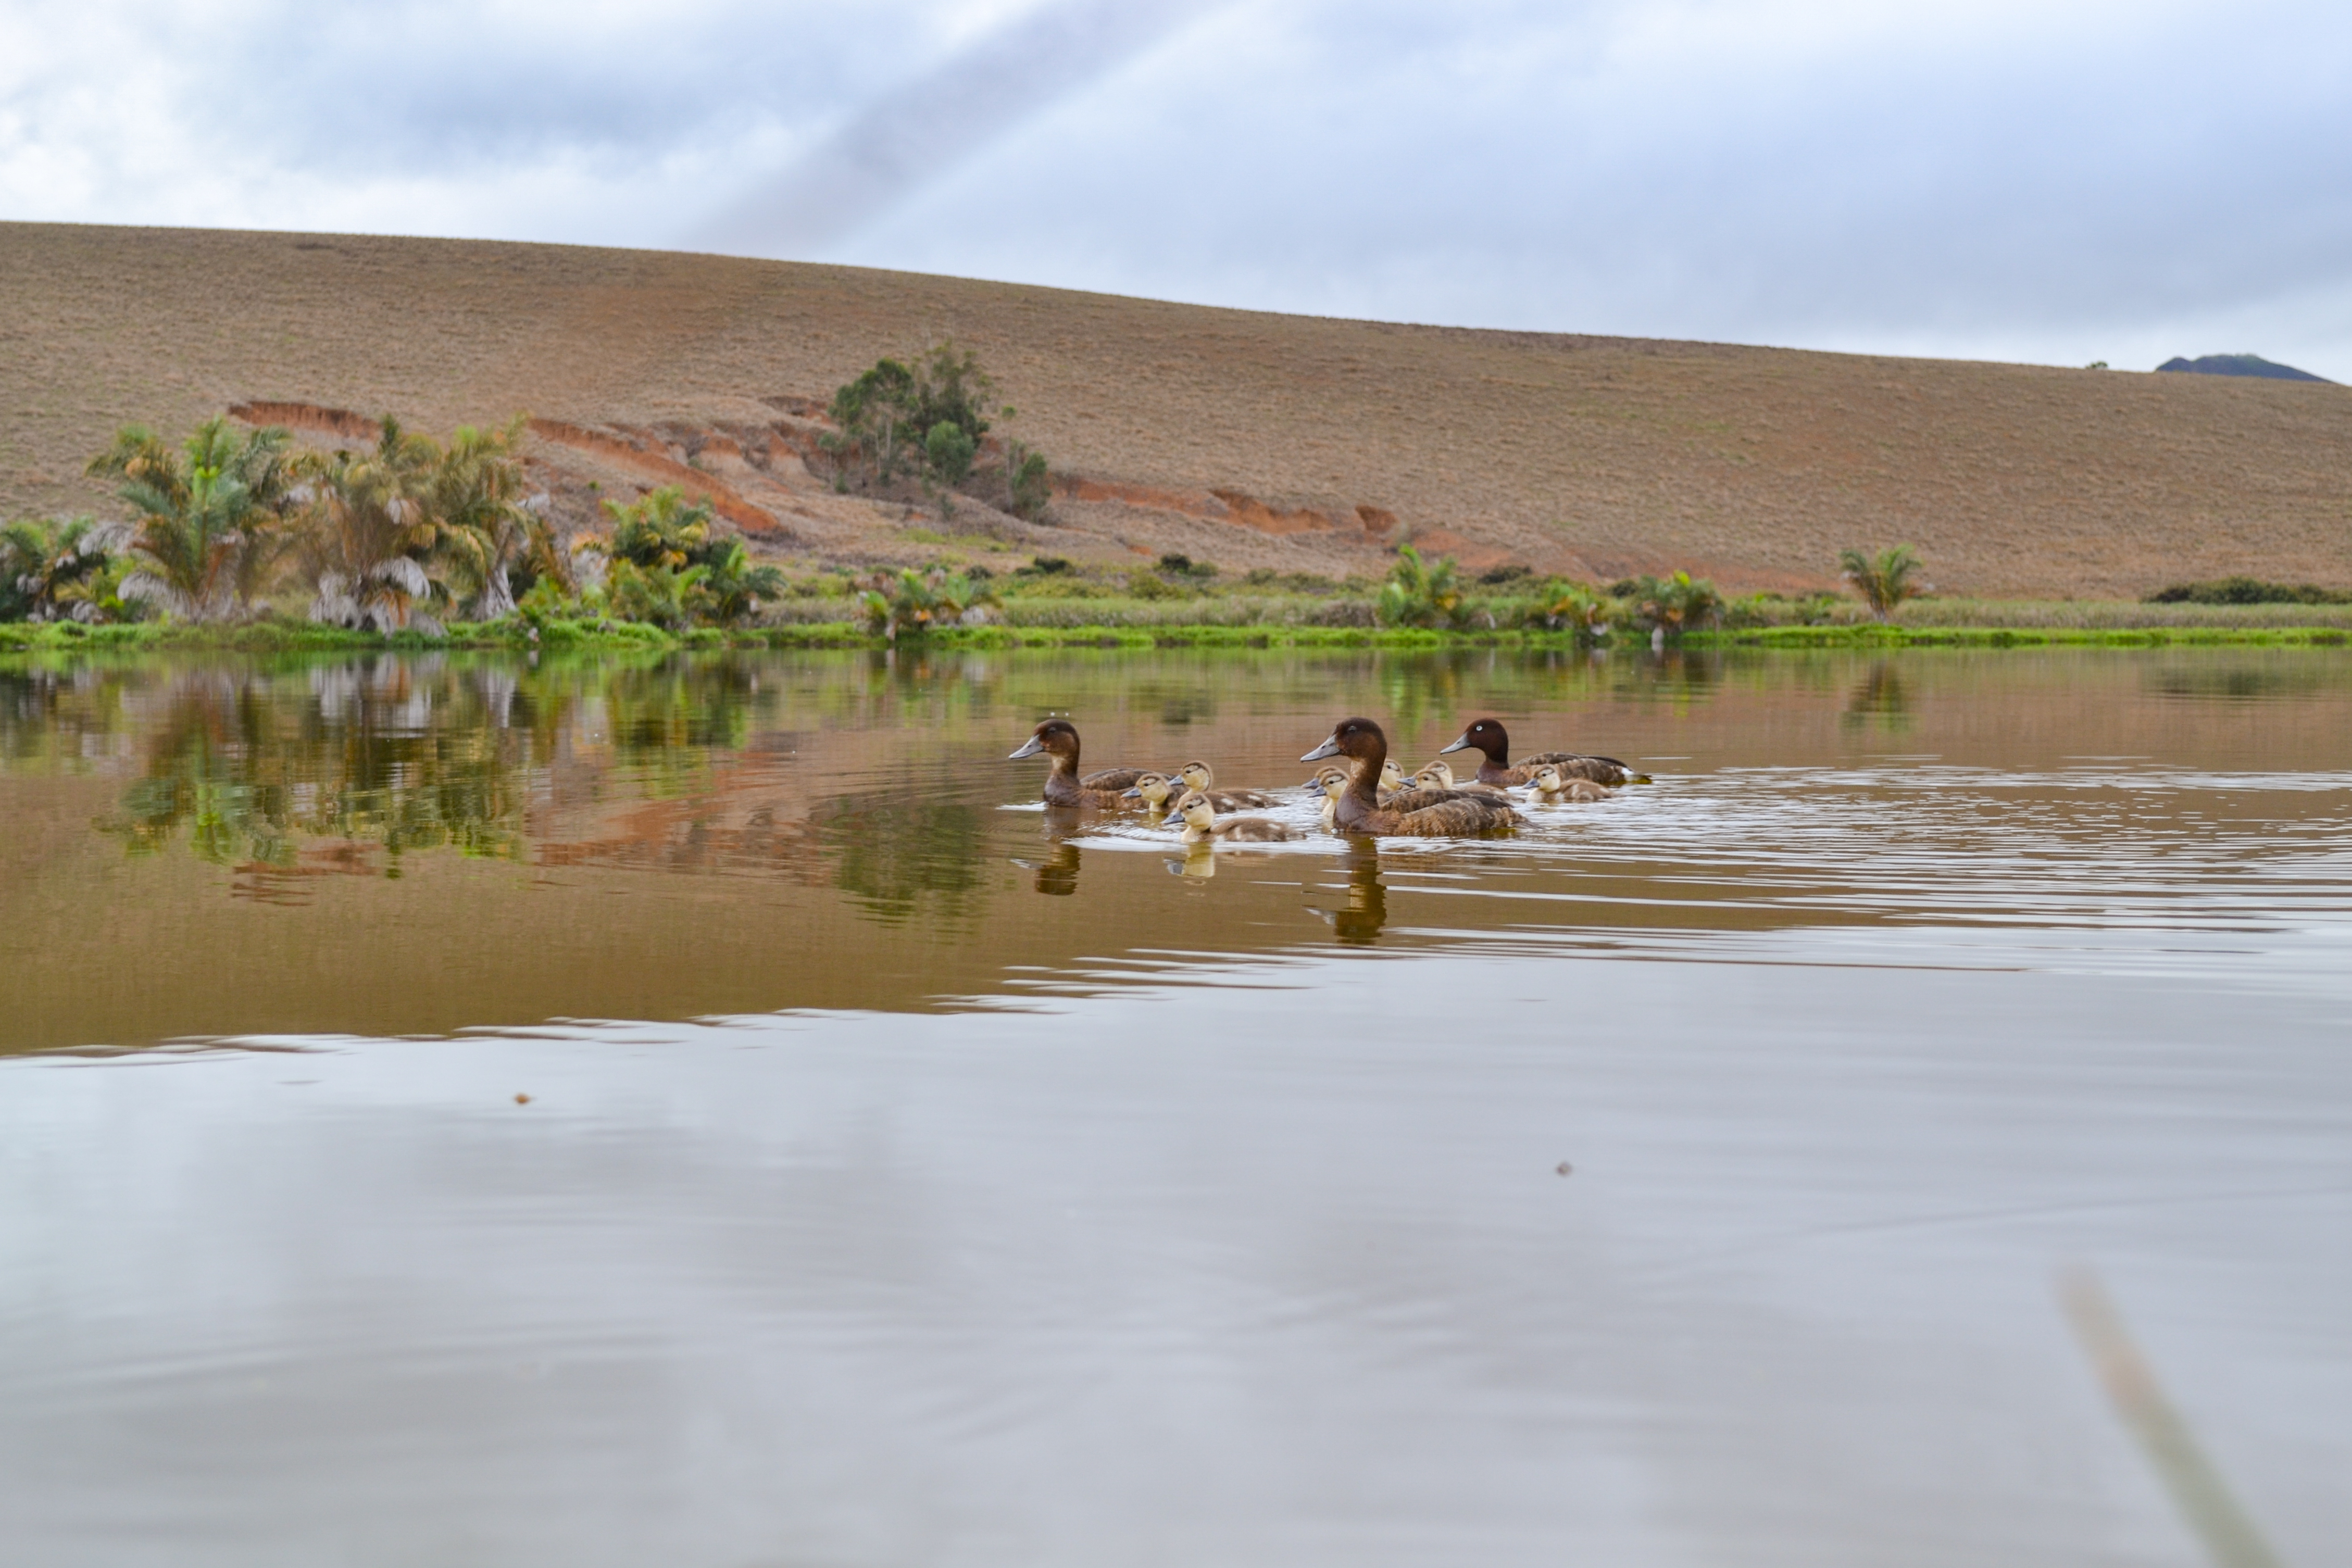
<point x="1247" y="439"/>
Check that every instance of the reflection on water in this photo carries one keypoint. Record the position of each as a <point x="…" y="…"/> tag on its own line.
<point x="832" y="830"/>
<point x="1880" y="698"/>
<point x="950" y="1183"/>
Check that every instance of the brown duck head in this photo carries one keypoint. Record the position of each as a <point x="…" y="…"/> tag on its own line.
<point x="1364" y="745"/>
<point x="1057" y="739"/>
<point x="1487" y="735"/>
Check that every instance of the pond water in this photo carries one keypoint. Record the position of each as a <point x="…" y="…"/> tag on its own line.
<point x="707" y="1112"/>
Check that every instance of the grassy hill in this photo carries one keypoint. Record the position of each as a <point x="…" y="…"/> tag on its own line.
<point x="1241" y="438"/>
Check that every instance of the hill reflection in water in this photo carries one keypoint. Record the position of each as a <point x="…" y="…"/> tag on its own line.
<point x="419" y="844"/>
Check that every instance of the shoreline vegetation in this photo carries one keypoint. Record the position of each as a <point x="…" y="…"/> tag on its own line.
<point x="2028" y="624"/>
<point x="246" y="540"/>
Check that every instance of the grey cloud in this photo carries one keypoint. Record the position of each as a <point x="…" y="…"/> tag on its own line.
<point x="917" y="130"/>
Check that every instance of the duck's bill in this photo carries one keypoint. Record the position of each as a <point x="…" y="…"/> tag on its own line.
<point x="1330" y="747"/>
<point x="1131" y="795"/>
<point x="1461" y="745"/>
<point x="1029" y="748"/>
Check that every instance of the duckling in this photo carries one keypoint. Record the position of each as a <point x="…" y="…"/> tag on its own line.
<point x="1196" y="776"/>
<point x="1392" y="778"/>
<point x="1157" y="791"/>
<point x="1552" y="786"/>
<point x="1493" y="744"/>
<point x="1058" y="738"/>
<point x="1334" y="781"/>
<point x="1426" y="813"/>
<point x="1202" y="824"/>
<point x="1438" y="775"/>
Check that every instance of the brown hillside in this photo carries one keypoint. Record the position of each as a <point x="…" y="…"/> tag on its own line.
<point x="1242" y="438"/>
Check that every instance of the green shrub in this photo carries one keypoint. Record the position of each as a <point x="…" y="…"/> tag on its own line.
<point x="1669" y="604"/>
<point x="2247" y="590"/>
<point x="1422" y="594"/>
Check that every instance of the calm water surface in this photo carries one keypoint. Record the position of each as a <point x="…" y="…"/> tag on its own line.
<point x="705" y="1113"/>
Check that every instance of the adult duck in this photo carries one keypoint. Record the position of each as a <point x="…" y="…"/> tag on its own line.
<point x="1202" y="825"/>
<point x="1420" y="813"/>
<point x="1195" y="775"/>
<point x="1493" y="744"/>
<point x="1058" y="739"/>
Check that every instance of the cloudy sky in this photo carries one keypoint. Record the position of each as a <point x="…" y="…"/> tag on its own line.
<point x="2056" y="181"/>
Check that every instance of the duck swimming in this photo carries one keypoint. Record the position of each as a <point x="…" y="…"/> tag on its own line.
<point x="1157" y="791"/>
<point x="1439" y="775"/>
<point x="1552" y="786"/>
<point x="1331" y="783"/>
<point x="1488" y="738"/>
<point x="1202" y="824"/>
<point x="1058" y="738"/>
<point x="1196" y="776"/>
<point x="1423" y="813"/>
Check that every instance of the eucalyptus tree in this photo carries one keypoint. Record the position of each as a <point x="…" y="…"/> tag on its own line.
<point x="208" y="519"/>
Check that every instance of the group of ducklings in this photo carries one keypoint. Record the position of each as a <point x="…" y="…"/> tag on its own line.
<point x="1372" y="795"/>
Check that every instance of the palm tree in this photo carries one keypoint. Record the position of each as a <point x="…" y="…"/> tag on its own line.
<point x="731" y="587"/>
<point x="371" y="532"/>
<point x="1421" y="594"/>
<point x="55" y="570"/>
<point x="1884" y="580"/>
<point x="209" y="516"/>
<point x="486" y="525"/>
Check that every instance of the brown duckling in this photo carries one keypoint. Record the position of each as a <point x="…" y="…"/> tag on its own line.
<point x="1196" y="776"/>
<point x="1058" y="739"/>
<point x="1439" y="775"/>
<point x="1493" y="744"/>
<point x="1425" y="813"/>
<point x="1551" y="786"/>
<point x="1202" y="824"/>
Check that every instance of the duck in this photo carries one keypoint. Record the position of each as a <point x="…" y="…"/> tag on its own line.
<point x="1421" y="813"/>
<point x="1552" y="786"/>
<point x="1058" y="738"/>
<point x="1196" y="776"/>
<point x="1202" y="824"/>
<point x="1439" y="775"/>
<point x="1493" y="744"/>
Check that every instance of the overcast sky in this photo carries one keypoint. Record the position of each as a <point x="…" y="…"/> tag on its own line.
<point x="2056" y="183"/>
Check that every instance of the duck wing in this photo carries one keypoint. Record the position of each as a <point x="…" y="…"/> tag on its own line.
<point x="1114" y="779"/>
<point x="1241" y="800"/>
<point x="1460" y="815"/>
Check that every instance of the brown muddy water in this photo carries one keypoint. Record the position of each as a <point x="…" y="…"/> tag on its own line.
<point x="705" y="1113"/>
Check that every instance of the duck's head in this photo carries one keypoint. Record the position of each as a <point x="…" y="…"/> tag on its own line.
<point x="1152" y="790"/>
<point x="1056" y="736"/>
<point x="1195" y="775"/>
<point x="1436" y="776"/>
<point x="1392" y="775"/>
<point x="1486" y="736"/>
<point x="1355" y="737"/>
<point x="1333" y="781"/>
<point x="1547" y="779"/>
<point x="1194" y="807"/>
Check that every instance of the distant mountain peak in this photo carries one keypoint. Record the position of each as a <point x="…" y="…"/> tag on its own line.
<point x="2241" y="365"/>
